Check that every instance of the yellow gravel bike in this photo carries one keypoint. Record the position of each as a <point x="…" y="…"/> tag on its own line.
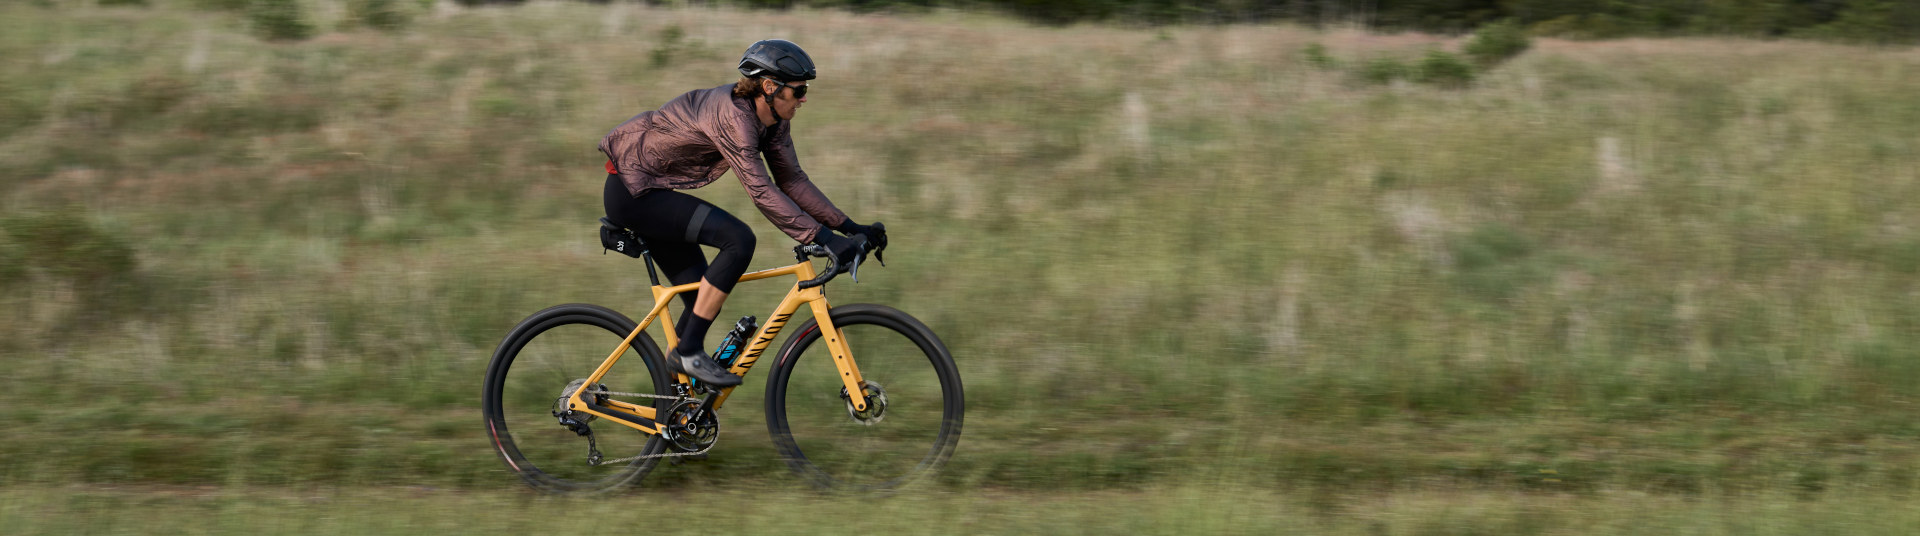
<point x="578" y="399"/>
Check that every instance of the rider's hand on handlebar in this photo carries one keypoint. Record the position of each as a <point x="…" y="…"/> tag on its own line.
<point x="876" y="234"/>
<point x="844" y="250"/>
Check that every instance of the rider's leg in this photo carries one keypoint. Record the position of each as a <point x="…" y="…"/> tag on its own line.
<point x="735" y="241"/>
<point x="682" y="263"/>
<point x="662" y="221"/>
<point x="674" y="225"/>
<point x="710" y="299"/>
<point x="698" y="317"/>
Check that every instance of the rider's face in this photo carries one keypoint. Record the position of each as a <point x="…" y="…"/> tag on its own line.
<point x="787" y="102"/>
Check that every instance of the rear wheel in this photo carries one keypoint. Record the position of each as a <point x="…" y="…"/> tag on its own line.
<point x="543" y="359"/>
<point x="914" y="402"/>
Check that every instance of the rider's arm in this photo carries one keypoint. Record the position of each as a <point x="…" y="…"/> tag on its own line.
<point x="739" y="144"/>
<point x="785" y="165"/>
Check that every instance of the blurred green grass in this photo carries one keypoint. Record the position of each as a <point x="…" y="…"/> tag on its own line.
<point x="1173" y="510"/>
<point x="1160" y="257"/>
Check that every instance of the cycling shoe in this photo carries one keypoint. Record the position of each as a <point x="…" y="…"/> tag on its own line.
<point x="702" y="368"/>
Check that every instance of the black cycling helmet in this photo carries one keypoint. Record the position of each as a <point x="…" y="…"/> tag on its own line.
<point x="778" y="59"/>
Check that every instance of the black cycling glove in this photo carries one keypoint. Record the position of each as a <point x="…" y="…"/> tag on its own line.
<point x="876" y="236"/>
<point x="843" y="248"/>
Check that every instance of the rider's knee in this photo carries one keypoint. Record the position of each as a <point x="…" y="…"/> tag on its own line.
<point x="736" y="237"/>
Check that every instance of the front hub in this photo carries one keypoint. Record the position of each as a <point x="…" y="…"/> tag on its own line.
<point x="876" y="398"/>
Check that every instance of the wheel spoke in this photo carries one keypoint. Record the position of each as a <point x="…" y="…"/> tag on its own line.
<point x="531" y="371"/>
<point x="911" y="433"/>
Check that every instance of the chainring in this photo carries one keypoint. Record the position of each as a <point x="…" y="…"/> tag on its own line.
<point x="687" y="429"/>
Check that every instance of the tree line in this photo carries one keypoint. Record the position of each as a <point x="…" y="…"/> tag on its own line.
<point x="1885" y="21"/>
<point x="1859" y="21"/>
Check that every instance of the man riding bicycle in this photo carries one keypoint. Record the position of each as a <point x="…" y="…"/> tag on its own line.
<point x="690" y="142"/>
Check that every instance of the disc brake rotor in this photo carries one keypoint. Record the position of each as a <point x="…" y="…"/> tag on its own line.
<point x="560" y="404"/>
<point x="876" y="403"/>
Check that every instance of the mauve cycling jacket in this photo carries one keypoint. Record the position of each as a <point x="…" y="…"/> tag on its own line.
<point x="695" y="138"/>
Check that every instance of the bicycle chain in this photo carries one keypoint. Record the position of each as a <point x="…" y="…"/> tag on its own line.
<point x="642" y="395"/>
<point x="661" y="455"/>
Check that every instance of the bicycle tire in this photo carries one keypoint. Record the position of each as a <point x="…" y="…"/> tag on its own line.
<point x="800" y="403"/>
<point x="552" y="348"/>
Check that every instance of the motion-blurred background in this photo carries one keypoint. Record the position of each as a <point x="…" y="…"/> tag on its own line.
<point x="1440" y="267"/>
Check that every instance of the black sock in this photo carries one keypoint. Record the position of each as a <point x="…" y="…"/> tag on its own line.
<point x="693" y="335"/>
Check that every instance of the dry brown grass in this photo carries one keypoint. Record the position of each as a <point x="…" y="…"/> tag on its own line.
<point x="1246" y="263"/>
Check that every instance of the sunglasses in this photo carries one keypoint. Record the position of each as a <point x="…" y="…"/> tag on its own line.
<point x="799" y="91"/>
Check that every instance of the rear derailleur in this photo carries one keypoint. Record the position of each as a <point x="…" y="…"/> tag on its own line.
<point x="577" y="421"/>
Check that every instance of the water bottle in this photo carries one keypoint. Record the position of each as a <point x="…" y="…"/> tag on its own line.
<point x="735" y="341"/>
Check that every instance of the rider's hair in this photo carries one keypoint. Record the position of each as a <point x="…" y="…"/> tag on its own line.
<point x="747" y="88"/>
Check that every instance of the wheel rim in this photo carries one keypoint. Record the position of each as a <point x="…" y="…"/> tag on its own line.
<point x="836" y="448"/>
<point x="548" y="357"/>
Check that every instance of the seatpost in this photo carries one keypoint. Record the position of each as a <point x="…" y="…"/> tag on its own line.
<point x="647" y="255"/>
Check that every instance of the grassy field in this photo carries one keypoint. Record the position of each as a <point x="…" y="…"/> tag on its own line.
<point x="1669" y="280"/>
<point x="1154" y="510"/>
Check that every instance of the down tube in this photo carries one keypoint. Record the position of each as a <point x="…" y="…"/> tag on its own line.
<point x="762" y="340"/>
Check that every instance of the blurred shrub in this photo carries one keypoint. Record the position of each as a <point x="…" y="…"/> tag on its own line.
<point x="1382" y="71"/>
<point x="138" y="3"/>
<point x="1496" y="43"/>
<point x="1746" y="17"/>
<point x="1872" y="21"/>
<point x="17" y="111"/>
<point x="139" y="102"/>
<point x="1059" y="12"/>
<point x="279" y="20"/>
<point x="223" y="5"/>
<point x="1593" y="26"/>
<point x="1443" y="69"/>
<point x="13" y="262"/>
<point x="149" y="97"/>
<point x="64" y="245"/>
<point x="670" y="45"/>
<point x="383" y="15"/>
<point x="1890" y="364"/>
<point x="472" y="3"/>
<point x="1489" y="245"/>
<point x="1903" y="258"/>
<point x="1316" y="55"/>
<point x="1492" y="261"/>
<point x="291" y="112"/>
<point x="500" y="104"/>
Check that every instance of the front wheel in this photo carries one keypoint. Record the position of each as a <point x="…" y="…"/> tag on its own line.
<point x="914" y="402"/>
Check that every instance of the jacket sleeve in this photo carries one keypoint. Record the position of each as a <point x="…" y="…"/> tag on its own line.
<point x="785" y="164"/>
<point x="740" y="145"/>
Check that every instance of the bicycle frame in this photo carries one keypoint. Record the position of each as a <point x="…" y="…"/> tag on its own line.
<point x="643" y="418"/>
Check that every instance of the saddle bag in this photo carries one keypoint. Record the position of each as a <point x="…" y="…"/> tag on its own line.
<point x="620" y="239"/>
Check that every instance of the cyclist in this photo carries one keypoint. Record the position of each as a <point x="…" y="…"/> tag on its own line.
<point x="689" y="143"/>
